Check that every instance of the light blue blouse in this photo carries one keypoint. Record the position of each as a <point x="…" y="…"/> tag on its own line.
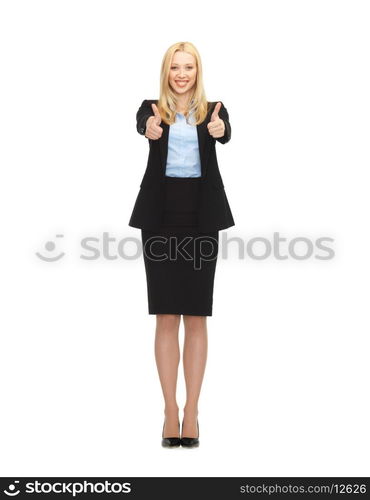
<point x="183" y="158"/>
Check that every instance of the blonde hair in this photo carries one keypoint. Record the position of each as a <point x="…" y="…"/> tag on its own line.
<point x="167" y="99"/>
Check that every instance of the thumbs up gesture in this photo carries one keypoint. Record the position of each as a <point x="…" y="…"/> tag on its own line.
<point x="153" y="130"/>
<point x="216" y="126"/>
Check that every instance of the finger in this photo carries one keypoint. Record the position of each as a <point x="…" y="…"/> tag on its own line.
<point x="155" y="132"/>
<point x="157" y="114"/>
<point x="214" y="126"/>
<point x="156" y="129"/>
<point x="155" y="110"/>
<point x="153" y="136"/>
<point x="152" y="125"/>
<point x="214" y="115"/>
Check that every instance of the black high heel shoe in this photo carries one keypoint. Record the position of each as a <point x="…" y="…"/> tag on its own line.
<point x="190" y="442"/>
<point x="170" y="442"/>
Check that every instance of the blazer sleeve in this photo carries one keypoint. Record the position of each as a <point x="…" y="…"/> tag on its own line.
<point x="224" y="115"/>
<point x="142" y="115"/>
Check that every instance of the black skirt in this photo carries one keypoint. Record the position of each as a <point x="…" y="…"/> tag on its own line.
<point x="180" y="261"/>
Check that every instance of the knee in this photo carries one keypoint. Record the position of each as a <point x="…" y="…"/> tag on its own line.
<point x="168" y="322"/>
<point x="194" y="324"/>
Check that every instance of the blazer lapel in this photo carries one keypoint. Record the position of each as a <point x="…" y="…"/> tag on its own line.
<point x="202" y="142"/>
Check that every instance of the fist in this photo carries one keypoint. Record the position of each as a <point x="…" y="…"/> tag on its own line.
<point x="153" y="130"/>
<point x="216" y="126"/>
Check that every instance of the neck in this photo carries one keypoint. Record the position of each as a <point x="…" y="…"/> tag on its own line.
<point x="183" y="102"/>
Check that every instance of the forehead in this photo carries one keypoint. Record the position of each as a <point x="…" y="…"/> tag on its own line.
<point x="181" y="57"/>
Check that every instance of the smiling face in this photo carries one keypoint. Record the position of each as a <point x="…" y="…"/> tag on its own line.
<point x="183" y="72"/>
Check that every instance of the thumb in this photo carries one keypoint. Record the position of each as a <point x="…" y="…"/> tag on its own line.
<point x="214" y="115"/>
<point x="157" y="115"/>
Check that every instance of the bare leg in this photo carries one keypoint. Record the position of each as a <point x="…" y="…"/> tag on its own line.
<point x="194" y="361"/>
<point x="167" y="355"/>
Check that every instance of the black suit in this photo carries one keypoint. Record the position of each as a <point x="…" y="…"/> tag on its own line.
<point x="214" y="210"/>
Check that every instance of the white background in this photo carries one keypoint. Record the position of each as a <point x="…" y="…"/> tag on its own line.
<point x="286" y="385"/>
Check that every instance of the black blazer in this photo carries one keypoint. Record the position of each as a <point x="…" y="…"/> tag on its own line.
<point x="214" y="211"/>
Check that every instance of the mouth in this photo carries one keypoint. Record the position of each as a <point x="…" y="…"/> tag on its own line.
<point x="181" y="83"/>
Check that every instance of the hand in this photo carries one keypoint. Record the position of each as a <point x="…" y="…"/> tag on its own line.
<point x="153" y="130"/>
<point x="216" y="126"/>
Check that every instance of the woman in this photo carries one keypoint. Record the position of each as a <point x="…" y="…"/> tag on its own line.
<point x="180" y="208"/>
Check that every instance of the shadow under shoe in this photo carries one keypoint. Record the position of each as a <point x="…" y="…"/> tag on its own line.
<point x="170" y="442"/>
<point x="190" y="442"/>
